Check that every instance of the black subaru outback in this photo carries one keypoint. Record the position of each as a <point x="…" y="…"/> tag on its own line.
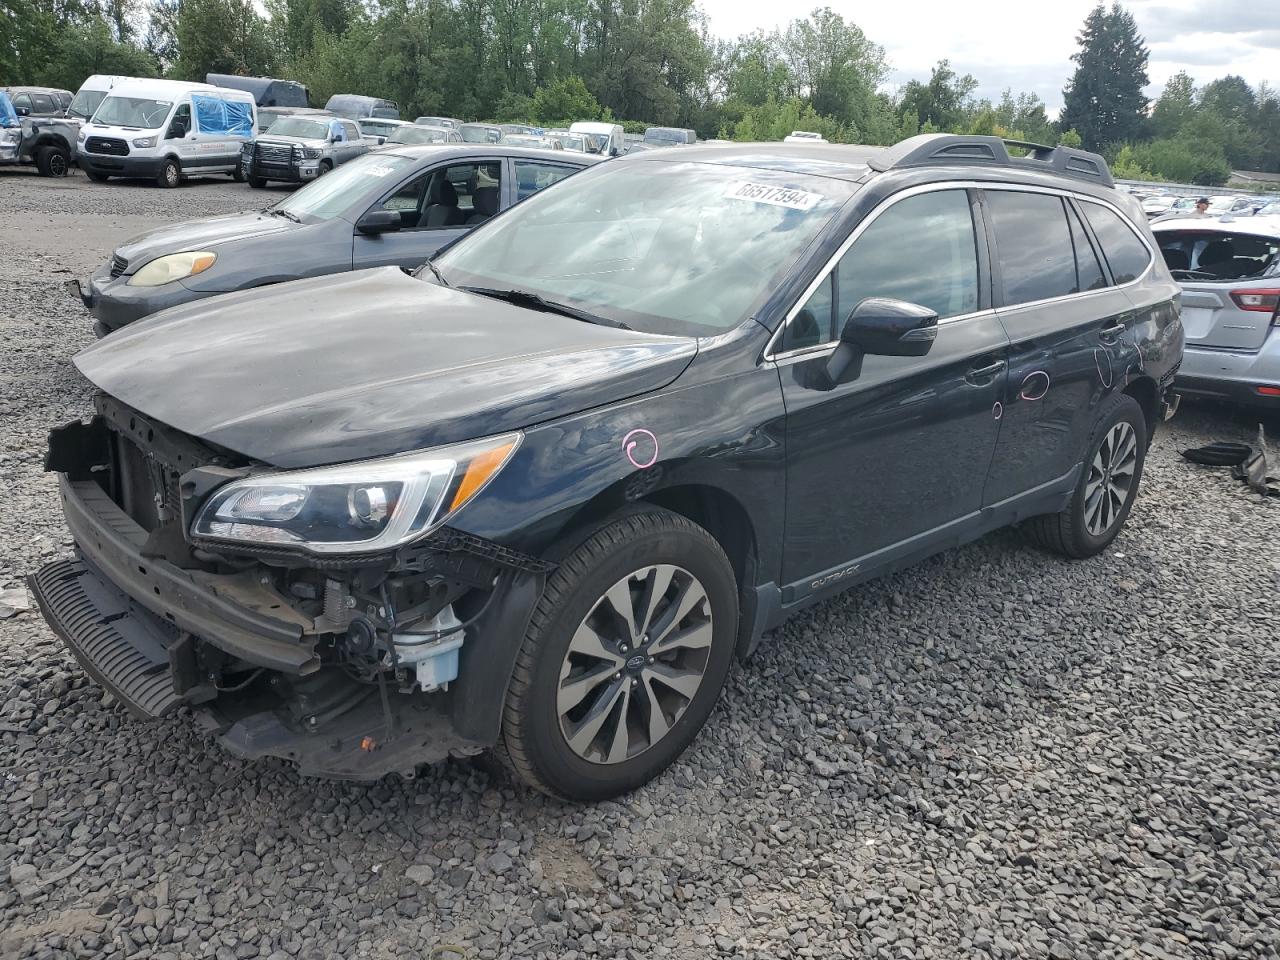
<point x="541" y="493"/>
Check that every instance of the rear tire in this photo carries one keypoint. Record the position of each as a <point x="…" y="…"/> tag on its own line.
<point x="52" y="162"/>
<point x="97" y="177"/>
<point x="596" y="706"/>
<point x="170" y="174"/>
<point x="1107" y="487"/>
<point x="257" y="182"/>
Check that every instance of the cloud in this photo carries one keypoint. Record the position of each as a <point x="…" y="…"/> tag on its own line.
<point x="1159" y="21"/>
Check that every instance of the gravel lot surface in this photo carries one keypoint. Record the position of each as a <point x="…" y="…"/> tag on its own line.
<point x="998" y="753"/>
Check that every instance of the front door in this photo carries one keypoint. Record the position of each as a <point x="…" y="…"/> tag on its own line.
<point x="880" y="466"/>
<point x="1065" y="323"/>
<point x="436" y="207"/>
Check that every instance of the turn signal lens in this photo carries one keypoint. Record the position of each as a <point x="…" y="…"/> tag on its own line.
<point x="478" y="472"/>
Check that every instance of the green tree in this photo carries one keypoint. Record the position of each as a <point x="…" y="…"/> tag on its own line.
<point x="221" y="36"/>
<point x="942" y="101"/>
<point x="1104" y="101"/>
<point x="161" y="39"/>
<point x="567" y="99"/>
<point x="1184" y="159"/>
<point x="87" y="48"/>
<point x="1176" y="105"/>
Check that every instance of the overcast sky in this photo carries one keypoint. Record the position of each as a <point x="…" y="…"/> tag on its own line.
<point x="1013" y="43"/>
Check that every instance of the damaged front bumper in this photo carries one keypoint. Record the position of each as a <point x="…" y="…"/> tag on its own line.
<point x="258" y="673"/>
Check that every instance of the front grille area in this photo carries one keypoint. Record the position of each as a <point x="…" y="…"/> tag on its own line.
<point x="118" y="265"/>
<point x="272" y="153"/>
<point x="108" y="145"/>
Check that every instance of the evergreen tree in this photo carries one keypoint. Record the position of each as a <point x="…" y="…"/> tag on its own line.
<point x="1176" y="105"/>
<point x="1104" y="101"/>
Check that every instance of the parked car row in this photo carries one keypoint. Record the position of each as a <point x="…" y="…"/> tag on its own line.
<point x="541" y="491"/>
<point x="1164" y="205"/>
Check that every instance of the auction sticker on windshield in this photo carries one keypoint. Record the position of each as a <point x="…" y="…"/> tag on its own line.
<point x="776" y="196"/>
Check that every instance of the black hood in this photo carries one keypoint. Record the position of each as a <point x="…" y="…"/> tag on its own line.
<point x="207" y="234"/>
<point x="368" y="364"/>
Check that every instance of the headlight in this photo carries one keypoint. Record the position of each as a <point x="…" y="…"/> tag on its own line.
<point x="80" y="137"/>
<point x="311" y="153"/>
<point x="364" y="507"/>
<point x="176" y="266"/>
<point x="144" y="142"/>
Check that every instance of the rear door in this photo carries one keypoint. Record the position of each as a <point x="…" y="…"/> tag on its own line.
<point x="1065" y="321"/>
<point x="1225" y="279"/>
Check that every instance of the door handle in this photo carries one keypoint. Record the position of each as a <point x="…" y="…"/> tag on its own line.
<point x="1112" y="331"/>
<point x="984" y="373"/>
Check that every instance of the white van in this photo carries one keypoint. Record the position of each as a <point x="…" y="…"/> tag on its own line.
<point x="91" y="93"/>
<point x="165" y="130"/>
<point x="606" y="139"/>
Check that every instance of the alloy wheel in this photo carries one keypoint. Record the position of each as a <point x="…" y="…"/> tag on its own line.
<point x="1111" y="476"/>
<point x="634" y="664"/>
<point x="58" y="164"/>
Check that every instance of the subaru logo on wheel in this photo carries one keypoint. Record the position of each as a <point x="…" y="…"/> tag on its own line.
<point x="636" y="662"/>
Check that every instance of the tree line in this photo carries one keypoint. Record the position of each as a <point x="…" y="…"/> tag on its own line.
<point x="648" y="62"/>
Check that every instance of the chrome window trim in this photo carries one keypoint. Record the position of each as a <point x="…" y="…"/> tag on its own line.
<point x="828" y="347"/>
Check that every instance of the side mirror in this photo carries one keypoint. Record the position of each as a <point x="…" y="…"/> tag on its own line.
<point x="883" y="327"/>
<point x="375" y="222"/>
<point x="891" y="328"/>
<point x="22" y="111"/>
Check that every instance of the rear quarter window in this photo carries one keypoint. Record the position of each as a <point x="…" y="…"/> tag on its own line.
<point x="1127" y="255"/>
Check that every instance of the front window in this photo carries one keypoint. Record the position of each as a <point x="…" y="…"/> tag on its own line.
<point x="331" y="195"/>
<point x="300" y="128"/>
<point x="141" y="112"/>
<point x="597" y="142"/>
<point x="688" y="249"/>
<point x="85" y="102"/>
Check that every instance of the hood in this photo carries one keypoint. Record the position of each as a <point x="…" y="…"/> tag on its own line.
<point x="368" y="364"/>
<point x="204" y="234"/>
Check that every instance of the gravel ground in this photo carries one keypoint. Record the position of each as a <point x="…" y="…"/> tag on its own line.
<point x="997" y="753"/>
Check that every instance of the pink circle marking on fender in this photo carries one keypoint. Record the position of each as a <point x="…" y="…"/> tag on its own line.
<point x="997" y="411"/>
<point x="636" y="439"/>
<point x="1035" y="385"/>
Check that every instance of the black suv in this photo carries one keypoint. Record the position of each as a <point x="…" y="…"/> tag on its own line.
<point x="544" y="491"/>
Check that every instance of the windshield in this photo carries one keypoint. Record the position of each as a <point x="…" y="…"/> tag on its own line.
<point x="333" y="194"/>
<point x="596" y="142"/>
<point x="419" y="135"/>
<point x="85" y="102"/>
<point x="664" y="135"/>
<point x="474" y="134"/>
<point x="8" y="116"/>
<point x="301" y="128"/>
<point x="132" y="112"/>
<point x="673" y="248"/>
<point x="570" y="141"/>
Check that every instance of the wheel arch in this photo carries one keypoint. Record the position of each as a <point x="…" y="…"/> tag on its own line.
<point x="1143" y="389"/>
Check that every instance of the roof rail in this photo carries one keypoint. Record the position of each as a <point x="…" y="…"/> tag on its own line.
<point x="936" y="149"/>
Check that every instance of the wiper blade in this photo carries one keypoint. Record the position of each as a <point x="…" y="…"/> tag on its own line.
<point x="278" y="212"/>
<point x="438" y="275"/>
<point x="526" y="298"/>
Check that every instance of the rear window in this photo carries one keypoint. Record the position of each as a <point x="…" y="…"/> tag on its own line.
<point x="1210" y="256"/>
<point x="1127" y="255"/>
<point x="1033" y="240"/>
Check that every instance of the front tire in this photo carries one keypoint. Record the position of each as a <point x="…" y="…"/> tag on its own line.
<point x="325" y="167"/>
<point x="257" y="182"/>
<point x="238" y="174"/>
<point x="52" y="162"/>
<point x="97" y="177"/>
<point x="1107" y="487"/>
<point x="170" y="174"/>
<point x="624" y="658"/>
